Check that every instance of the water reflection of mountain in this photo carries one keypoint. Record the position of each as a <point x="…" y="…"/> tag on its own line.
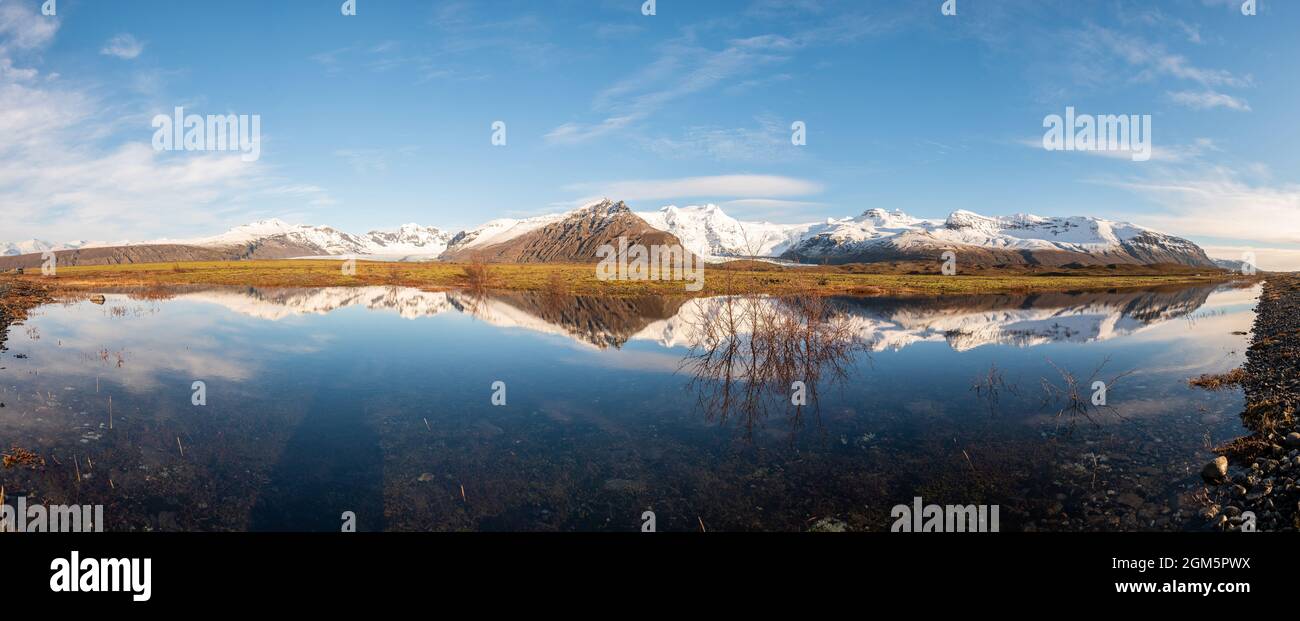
<point x="600" y="321"/>
<point x="967" y="322"/>
<point x="963" y="322"/>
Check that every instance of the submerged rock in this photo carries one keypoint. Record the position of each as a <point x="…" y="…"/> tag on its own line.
<point x="1216" y="471"/>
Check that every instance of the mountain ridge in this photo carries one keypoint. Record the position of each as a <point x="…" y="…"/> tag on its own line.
<point x="706" y="231"/>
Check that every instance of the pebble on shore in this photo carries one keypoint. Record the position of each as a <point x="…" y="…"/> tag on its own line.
<point x="1268" y="486"/>
<point x="1216" y="471"/>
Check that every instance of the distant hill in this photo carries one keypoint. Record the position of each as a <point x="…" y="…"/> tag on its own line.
<point x="575" y="238"/>
<point x="165" y="253"/>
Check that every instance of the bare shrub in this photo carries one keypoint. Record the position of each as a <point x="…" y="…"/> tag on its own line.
<point x="478" y="274"/>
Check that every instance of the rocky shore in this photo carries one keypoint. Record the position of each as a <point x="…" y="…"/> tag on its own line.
<point x="1260" y="474"/>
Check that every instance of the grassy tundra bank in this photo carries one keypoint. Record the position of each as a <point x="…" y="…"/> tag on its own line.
<point x="16" y="298"/>
<point x="745" y="277"/>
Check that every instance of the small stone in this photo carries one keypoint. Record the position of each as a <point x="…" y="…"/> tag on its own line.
<point x="1292" y="439"/>
<point x="1265" y="488"/>
<point x="829" y="525"/>
<point x="1216" y="471"/>
<point x="1231" y="511"/>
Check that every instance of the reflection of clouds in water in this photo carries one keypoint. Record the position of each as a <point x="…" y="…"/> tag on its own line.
<point x="1206" y="345"/>
<point x="1233" y="297"/>
<point x="628" y="360"/>
<point x="182" y="342"/>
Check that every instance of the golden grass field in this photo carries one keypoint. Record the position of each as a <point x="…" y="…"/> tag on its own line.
<point x="581" y="279"/>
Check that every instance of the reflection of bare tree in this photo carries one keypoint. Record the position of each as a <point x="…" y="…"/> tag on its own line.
<point x="991" y="386"/>
<point x="748" y="352"/>
<point x="1081" y="399"/>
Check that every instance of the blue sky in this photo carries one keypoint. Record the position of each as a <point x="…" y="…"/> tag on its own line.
<point x="373" y="120"/>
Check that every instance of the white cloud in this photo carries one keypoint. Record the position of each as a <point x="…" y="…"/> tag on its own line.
<point x="1269" y="259"/>
<point x="1167" y="154"/>
<point x="22" y="28"/>
<point x="1204" y="100"/>
<point x="72" y="165"/>
<point x="1219" y="202"/>
<point x="123" y="46"/>
<point x="725" y="186"/>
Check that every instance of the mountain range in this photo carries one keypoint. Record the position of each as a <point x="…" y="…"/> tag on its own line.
<point x="707" y="231"/>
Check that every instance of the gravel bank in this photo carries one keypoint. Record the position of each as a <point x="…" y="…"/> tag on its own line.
<point x="1261" y="472"/>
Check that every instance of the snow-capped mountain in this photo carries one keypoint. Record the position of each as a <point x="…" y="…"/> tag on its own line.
<point x="410" y="240"/>
<point x="323" y="239"/>
<point x="275" y="238"/>
<point x="1019" y="239"/>
<point x="37" y="246"/>
<point x="499" y="231"/>
<point x="712" y="234"/>
<point x="707" y="231"/>
<point x="1233" y="265"/>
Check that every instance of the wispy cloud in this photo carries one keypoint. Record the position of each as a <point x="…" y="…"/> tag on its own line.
<point x="1094" y="56"/>
<point x="767" y="141"/>
<point x="61" y="180"/>
<point x="1152" y="59"/>
<point x="722" y="186"/>
<point x="688" y="65"/>
<point x="1167" y="153"/>
<point x="1204" y="100"/>
<point x="123" y="46"/>
<point x="683" y="69"/>
<point x="369" y="161"/>
<point x="1157" y="18"/>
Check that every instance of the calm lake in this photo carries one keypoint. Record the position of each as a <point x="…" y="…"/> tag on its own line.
<point x="380" y="401"/>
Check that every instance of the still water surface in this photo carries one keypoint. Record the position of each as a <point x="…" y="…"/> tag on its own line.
<point x="379" y="401"/>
